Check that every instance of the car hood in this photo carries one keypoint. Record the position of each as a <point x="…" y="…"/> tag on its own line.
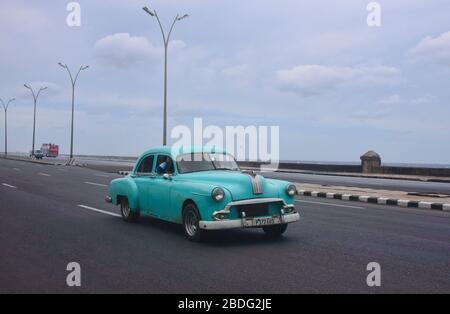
<point x="240" y="185"/>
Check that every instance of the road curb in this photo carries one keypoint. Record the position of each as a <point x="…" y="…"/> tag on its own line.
<point x="72" y="162"/>
<point x="35" y="161"/>
<point x="377" y="200"/>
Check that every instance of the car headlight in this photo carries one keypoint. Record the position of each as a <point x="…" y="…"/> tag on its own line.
<point x="291" y="189"/>
<point x="217" y="194"/>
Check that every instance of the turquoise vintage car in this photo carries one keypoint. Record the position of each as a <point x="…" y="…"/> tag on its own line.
<point x="203" y="189"/>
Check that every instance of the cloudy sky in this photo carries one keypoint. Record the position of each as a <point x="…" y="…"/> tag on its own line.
<point x="334" y="85"/>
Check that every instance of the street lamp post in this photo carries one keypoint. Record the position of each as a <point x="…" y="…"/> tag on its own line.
<point x="73" y="81"/>
<point x="166" y="44"/>
<point x="35" y="98"/>
<point x="5" y="107"/>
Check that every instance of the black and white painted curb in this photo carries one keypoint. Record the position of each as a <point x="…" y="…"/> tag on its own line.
<point x="377" y="200"/>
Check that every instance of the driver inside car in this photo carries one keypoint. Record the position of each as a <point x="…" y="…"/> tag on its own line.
<point x="165" y="167"/>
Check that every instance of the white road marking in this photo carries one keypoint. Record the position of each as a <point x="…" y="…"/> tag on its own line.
<point x="101" y="175"/>
<point x="9" y="186"/>
<point x="93" y="183"/>
<point x="17" y="169"/>
<point x="331" y="204"/>
<point x="44" y="174"/>
<point x="99" y="210"/>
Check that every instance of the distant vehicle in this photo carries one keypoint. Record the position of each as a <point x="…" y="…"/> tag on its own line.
<point x="203" y="189"/>
<point x="50" y="150"/>
<point x="38" y="154"/>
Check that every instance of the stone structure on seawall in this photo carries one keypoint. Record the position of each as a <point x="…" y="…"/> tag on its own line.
<point x="371" y="162"/>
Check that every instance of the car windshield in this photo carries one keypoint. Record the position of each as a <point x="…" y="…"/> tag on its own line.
<point x="194" y="162"/>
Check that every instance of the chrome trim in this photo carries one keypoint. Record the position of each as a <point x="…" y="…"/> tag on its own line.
<point x="227" y="207"/>
<point x="256" y="182"/>
<point x="239" y="223"/>
<point x="255" y="201"/>
<point x="257" y="185"/>
<point x="218" y="212"/>
<point x="108" y="199"/>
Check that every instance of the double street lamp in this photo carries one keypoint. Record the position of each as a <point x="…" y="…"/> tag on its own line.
<point x="35" y="97"/>
<point x="166" y="44"/>
<point x="73" y="80"/>
<point x="5" y="107"/>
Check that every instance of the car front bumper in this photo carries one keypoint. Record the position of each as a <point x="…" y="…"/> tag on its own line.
<point x="243" y="222"/>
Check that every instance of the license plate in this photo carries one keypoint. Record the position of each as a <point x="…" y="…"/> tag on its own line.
<point x="262" y="221"/>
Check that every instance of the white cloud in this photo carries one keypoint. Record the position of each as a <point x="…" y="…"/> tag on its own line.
<point x="399" y="100"/>
<point x="23" y="17"/>
<point x="371" y="115"/>
<point x="318" y="79"/>
<point x="235" y="71"/>
<point x="175" y="45"/>
<point x="122" y="50"/>
<point x="433" y="50"/>
<point x="391" y="100"/>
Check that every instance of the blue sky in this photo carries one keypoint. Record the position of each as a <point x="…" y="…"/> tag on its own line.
<point x="335" y="86"/>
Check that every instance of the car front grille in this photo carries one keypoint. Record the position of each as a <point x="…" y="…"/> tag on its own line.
<point x="254" y="210"/>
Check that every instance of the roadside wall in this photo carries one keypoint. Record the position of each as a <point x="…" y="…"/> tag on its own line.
<point x="419" y="171"/>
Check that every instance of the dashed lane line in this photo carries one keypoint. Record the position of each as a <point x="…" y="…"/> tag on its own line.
<point x="99" y="210"/>
<point x="101" y="175"/>
<point x="96" y="184"/>
<point x="9" y="186"/>
<point x="44" y="174"/>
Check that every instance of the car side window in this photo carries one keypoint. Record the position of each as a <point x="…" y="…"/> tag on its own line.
<point x="146" y="165"/>
<point x="164" y="164"/>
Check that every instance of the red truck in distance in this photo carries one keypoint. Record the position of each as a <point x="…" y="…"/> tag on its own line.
<point x="50" y="150"/>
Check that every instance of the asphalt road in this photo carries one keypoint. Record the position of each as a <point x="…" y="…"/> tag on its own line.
<point x="43" y="228"/>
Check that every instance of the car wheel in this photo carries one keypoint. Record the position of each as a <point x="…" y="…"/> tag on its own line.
<point x="127" y="214"/>
<point x="275" y="230"/>
<point x="191" y="220"/>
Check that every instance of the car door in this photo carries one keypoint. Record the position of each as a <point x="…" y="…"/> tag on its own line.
<point x="144" y="177"/>
<point x="159" y="198"/>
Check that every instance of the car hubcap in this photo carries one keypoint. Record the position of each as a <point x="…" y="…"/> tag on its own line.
<point x="191" y="223"/>
<point x="125" y="210"/>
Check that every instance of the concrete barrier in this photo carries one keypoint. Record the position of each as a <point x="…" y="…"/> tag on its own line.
<point x="334" y="168"/>
<point x="377" y="200"/>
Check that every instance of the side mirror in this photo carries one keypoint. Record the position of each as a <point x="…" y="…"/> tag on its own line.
<point x="167" y="176"/>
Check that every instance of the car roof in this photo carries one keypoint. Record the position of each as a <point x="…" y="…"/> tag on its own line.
<point x="174" y="151"/>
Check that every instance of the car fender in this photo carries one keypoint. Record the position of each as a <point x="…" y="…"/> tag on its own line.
<point x="124" y="187"/>
<point x="200" y="194"/>
<point x="279" y="186"/>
